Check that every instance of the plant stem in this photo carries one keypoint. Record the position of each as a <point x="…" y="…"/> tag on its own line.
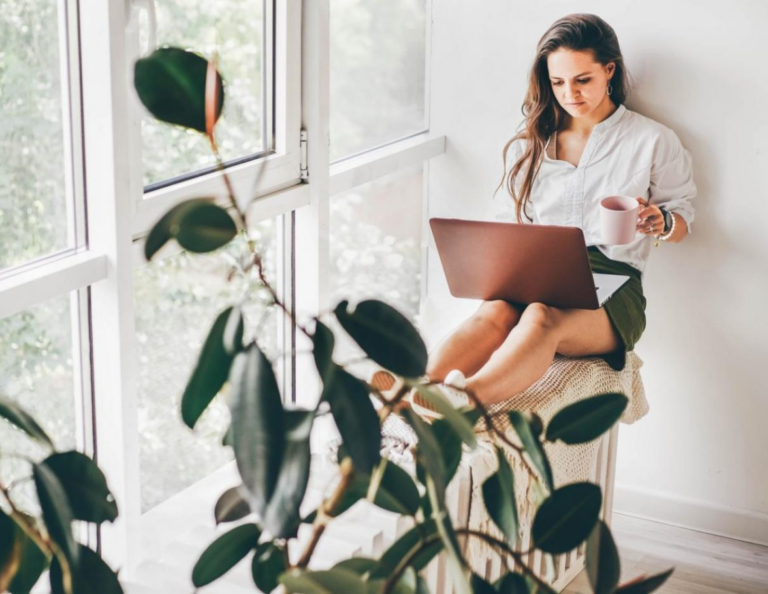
<point x="406" y="561"/>
<point x="501" y="545"/>
<point x="21" y="521"/>
<point x="499" y="433"/>
<point x="327" y="509"/>
<point x="230" y="190"/>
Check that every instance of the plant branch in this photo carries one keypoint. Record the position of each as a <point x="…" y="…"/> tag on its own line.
<point x="491" y="426"/>
<point x="230" y="190"/>
<point x="21" y="521"/>
<point x="327" y="509"/>
<point x="502" y="546"/>
<point x="406" y="561"/>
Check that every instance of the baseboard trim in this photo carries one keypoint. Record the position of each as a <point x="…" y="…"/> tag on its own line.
<point x="694" y="514"/>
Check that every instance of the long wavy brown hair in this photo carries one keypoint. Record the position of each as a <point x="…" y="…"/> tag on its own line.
<point x="543" y="114"/>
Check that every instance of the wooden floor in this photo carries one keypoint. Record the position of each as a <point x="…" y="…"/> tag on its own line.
<point x="704" y="564"/>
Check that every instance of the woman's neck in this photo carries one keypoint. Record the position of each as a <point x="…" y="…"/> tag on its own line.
<point x="583" y="126"/>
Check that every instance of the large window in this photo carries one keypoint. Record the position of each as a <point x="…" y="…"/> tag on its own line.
<point x="234" y="30"/>
<point x="378" y="73"/>
<point x="38" y="373"/>
<point x="375" y="241"/>
<point x="37" y="209"/>
<point x="97" y="343"/>
<point x="177" y="300"/>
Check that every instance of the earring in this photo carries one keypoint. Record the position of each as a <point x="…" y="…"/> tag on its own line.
<point x="610" y="88"/>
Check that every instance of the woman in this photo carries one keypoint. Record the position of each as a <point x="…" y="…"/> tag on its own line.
<point x="578" y="145"/>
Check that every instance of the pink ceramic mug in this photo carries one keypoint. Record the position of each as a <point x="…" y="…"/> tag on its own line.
<point x="618" y="219"/>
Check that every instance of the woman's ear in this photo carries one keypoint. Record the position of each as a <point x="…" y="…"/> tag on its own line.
<point x="610" y="69"/>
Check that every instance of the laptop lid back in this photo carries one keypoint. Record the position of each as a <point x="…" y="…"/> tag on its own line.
<point x="517" y="263"/>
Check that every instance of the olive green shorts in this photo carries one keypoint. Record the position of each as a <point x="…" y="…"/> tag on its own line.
<point x="625" y="308"/>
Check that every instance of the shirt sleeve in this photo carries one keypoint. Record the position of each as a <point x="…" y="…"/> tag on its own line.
<point x="672" y="185"/>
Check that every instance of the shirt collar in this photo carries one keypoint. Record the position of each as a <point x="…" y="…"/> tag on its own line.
<point x="610" y="120"/>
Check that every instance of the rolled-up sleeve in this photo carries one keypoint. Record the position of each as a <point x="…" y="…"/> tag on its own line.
<point x="672" y="185"/>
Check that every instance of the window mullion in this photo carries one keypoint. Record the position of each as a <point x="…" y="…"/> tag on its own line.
<point x="312" y="221"/>
<point x="110" y="191"/>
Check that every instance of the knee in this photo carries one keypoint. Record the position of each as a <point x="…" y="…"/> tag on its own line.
<point x="539" y="316"/>
<point x="499" y="313"/>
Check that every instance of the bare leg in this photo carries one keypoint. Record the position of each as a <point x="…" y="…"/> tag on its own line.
<point x="528" y="351"/>
<point x="471" y="345"/>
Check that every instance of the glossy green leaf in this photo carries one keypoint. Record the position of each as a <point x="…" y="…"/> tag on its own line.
<point x="356" y="419"/>
<point x="281" y="517"/>
<point x="231" y="506"/>
<point x="422" y="534"/>
<point x="85" y="485"/>
<point x="224" y="553"/>
<point x="567" y="517"/>
<point x="166" y="228"/>
<point x="537" y="424"/>
<point x="421" y="586"/>
<point x="532" y="446"/>
<point x="198" y="224"/>
<point x="643" y="584"/>
<point x="232" y="337"/>
<point x="396" y="491"/>
<point x="455" y="561"/>
<point x="499" y="498"/>
<point x="385" y="335"/>
<point x="322" y="351"/>
<point x="450" y="445"/>
<point x="461" y="425"/>
<point x="91" y="576"/>
<point x="428" y="452"/>
<point x="171" y="83"/>
<point x="480" y="586"/>
<point x="405" y="585"/>
<point x="603" y="564"/>
<point x="512" y="583"/>
<point x="258" y="425"/>
<point x="204" y="228"/>
<point x="13" y="413"/>
<point x="211" y="371"/>
<point x="332" y="581"/>
<point x="587" y="419"/>
<point x="57" y="512"/>
<point x="269" y="562"/>
<point x="358" y="565"/>
<point x="32" y="563"/>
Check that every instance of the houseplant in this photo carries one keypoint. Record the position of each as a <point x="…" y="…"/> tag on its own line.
<point x="271" y="442"/>
<point x="69" y="490"/>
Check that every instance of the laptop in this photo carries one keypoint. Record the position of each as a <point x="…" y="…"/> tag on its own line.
<point x="521" y="263"/>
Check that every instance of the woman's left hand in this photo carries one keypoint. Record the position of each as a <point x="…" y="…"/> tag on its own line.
<point x="650" y="220"/>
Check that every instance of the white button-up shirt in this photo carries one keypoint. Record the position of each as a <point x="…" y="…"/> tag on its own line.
<point x="627" y="154"/>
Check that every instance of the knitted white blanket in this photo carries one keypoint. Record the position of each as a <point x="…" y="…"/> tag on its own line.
<point x="568" y="380"/>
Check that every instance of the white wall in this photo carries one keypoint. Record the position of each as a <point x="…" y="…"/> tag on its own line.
<point x="699" y="458"/>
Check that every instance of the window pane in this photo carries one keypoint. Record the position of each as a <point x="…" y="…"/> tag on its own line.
<point x="233" y="28"/>
<point x="36" y="371"/>
<point x="177" y="299"/>
<point x="33" y="189"/>
<point x="375" y="237"/>
<point x="378" y="63"/>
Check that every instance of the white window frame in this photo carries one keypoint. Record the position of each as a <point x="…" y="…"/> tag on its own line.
<point x="99" y="276"/>
<point x="328" y="179"/>
<point x="280" y="168"/>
